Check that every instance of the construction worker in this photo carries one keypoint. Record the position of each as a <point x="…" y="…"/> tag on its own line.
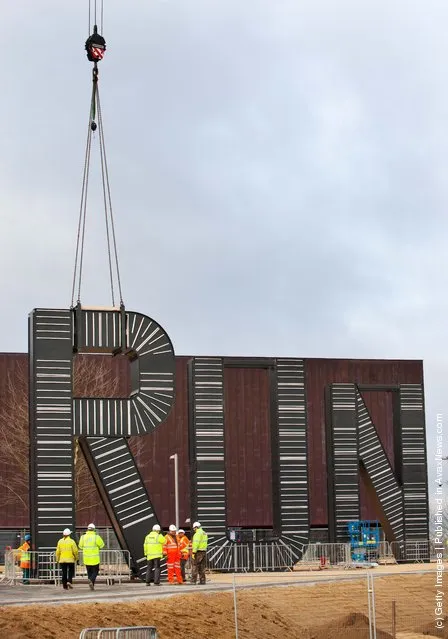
<point x="91" y="544"/>
<point x="67" y="556"/>
<point x="198" y="551"/>
<point x="24" y="559"/>
<point x="172" y="552"/>
<point x="184" y="547"/>
<point x="153" y="549"/>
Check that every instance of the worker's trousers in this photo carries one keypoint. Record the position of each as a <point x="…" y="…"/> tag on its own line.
<point x="173" y="566"/>
<point x="26" y="575"/>
<point x="183" y="563"/>
<point x="92" y="572"/>
<point x="198" y="567"/>
<point x="153" y="568"/>
<point x="68" y="572"/>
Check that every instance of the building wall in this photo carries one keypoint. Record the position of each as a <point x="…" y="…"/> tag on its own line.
<point x="248" y="447"/>
<point x="247" y="438"/>
<point x="320" y="373"/>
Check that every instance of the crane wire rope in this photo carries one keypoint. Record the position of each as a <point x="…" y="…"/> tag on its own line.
<point x="95" y="15"/>
<point x="95" y="47"/>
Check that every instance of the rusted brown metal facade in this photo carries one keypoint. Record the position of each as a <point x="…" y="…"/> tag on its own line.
<point x="248" y="459"/>
<point x="322" y="372"/>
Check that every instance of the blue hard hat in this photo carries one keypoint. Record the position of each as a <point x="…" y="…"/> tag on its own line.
<point x="27" y="537"/>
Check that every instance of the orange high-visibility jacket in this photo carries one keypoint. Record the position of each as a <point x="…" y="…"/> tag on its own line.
<point x="184" y="546"/>
<point x="24" y="555"/>
<point x="170" y="547"/>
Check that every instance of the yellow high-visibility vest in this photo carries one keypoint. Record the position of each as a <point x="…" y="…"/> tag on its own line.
<point x="153" y="545"/>
<point x="200" y="540"/>
<point x="66" y="551"/>
<point x="91" y="544"/>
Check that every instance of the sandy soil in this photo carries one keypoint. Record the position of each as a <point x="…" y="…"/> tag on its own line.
<point x="323" y="611"/>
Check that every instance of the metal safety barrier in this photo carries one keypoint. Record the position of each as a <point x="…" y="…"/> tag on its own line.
<point x="43" y="567"/>
<point x="228" y="558"/>
<point x="326" y="555"/>
<point x="411" y="551"/>
<point x="273" y="557"/>
<point x="114" y="567"/>
<point x="385" y="554"/>
<point x="131" y="632"/>
<point x="437" y="549"/>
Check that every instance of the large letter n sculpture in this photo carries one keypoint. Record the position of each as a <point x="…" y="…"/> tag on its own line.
<point x="102" y="425"/>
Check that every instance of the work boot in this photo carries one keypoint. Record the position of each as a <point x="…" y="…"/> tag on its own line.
<point x="91" y="585"/>
<point x="70" y="586"/>
<point x="65" y="587"/>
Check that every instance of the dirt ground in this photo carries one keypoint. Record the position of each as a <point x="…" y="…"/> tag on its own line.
<point x="323" y="611"/>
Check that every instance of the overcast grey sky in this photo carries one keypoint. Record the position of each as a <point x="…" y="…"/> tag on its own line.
<point x="278" y="173"/>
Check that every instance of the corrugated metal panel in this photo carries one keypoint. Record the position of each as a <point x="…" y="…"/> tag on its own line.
<point x="319" y="374"/>
<point x="153" y="455"/>
<point x="248" y="447"/>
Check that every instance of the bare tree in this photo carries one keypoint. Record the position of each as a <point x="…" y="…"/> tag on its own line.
<point x="93" y="376"/>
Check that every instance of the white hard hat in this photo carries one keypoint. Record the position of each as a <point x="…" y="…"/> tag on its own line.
<point x="66" y="532"/>
<point x="173" y="528"/>
<point x="156" y="527"/>
<point x="181" y="531"/>
<point x="197" y="524"/>
<point x="91" y="527"/>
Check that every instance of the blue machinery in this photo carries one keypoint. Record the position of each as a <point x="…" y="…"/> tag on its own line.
<point x="364" y="540"/>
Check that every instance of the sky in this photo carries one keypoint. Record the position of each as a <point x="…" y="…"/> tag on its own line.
<point x="278" y="174"/>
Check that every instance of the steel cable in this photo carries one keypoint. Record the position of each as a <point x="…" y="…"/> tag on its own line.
<point x="82" y="221"/>
<point x="109" y="197"/>
<point x="112" y="252"/>
<point x="103" y="180"/>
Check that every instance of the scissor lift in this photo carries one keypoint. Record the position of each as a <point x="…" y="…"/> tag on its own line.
<point x="364" y="541"/>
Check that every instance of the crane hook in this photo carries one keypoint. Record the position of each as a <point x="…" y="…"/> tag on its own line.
<point x="95" y="46"/>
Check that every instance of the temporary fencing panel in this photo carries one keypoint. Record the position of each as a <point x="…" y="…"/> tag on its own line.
<point x="385" y="554"/>
<point x="250" y="557"/>
<point x="43" y="567"/>
<point x="114" y="566"/>
<point x="326" y="555"/>
<point x="231" y="558"/>
<point x="438" y="548"/>
<point x="272" y="557"/>
<point x="131" y="632"/>
<point x="11" y="571"/>
<point x="411" y="551"/>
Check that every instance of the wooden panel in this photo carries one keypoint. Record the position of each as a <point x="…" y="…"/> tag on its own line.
<point x="248" y="449"/>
